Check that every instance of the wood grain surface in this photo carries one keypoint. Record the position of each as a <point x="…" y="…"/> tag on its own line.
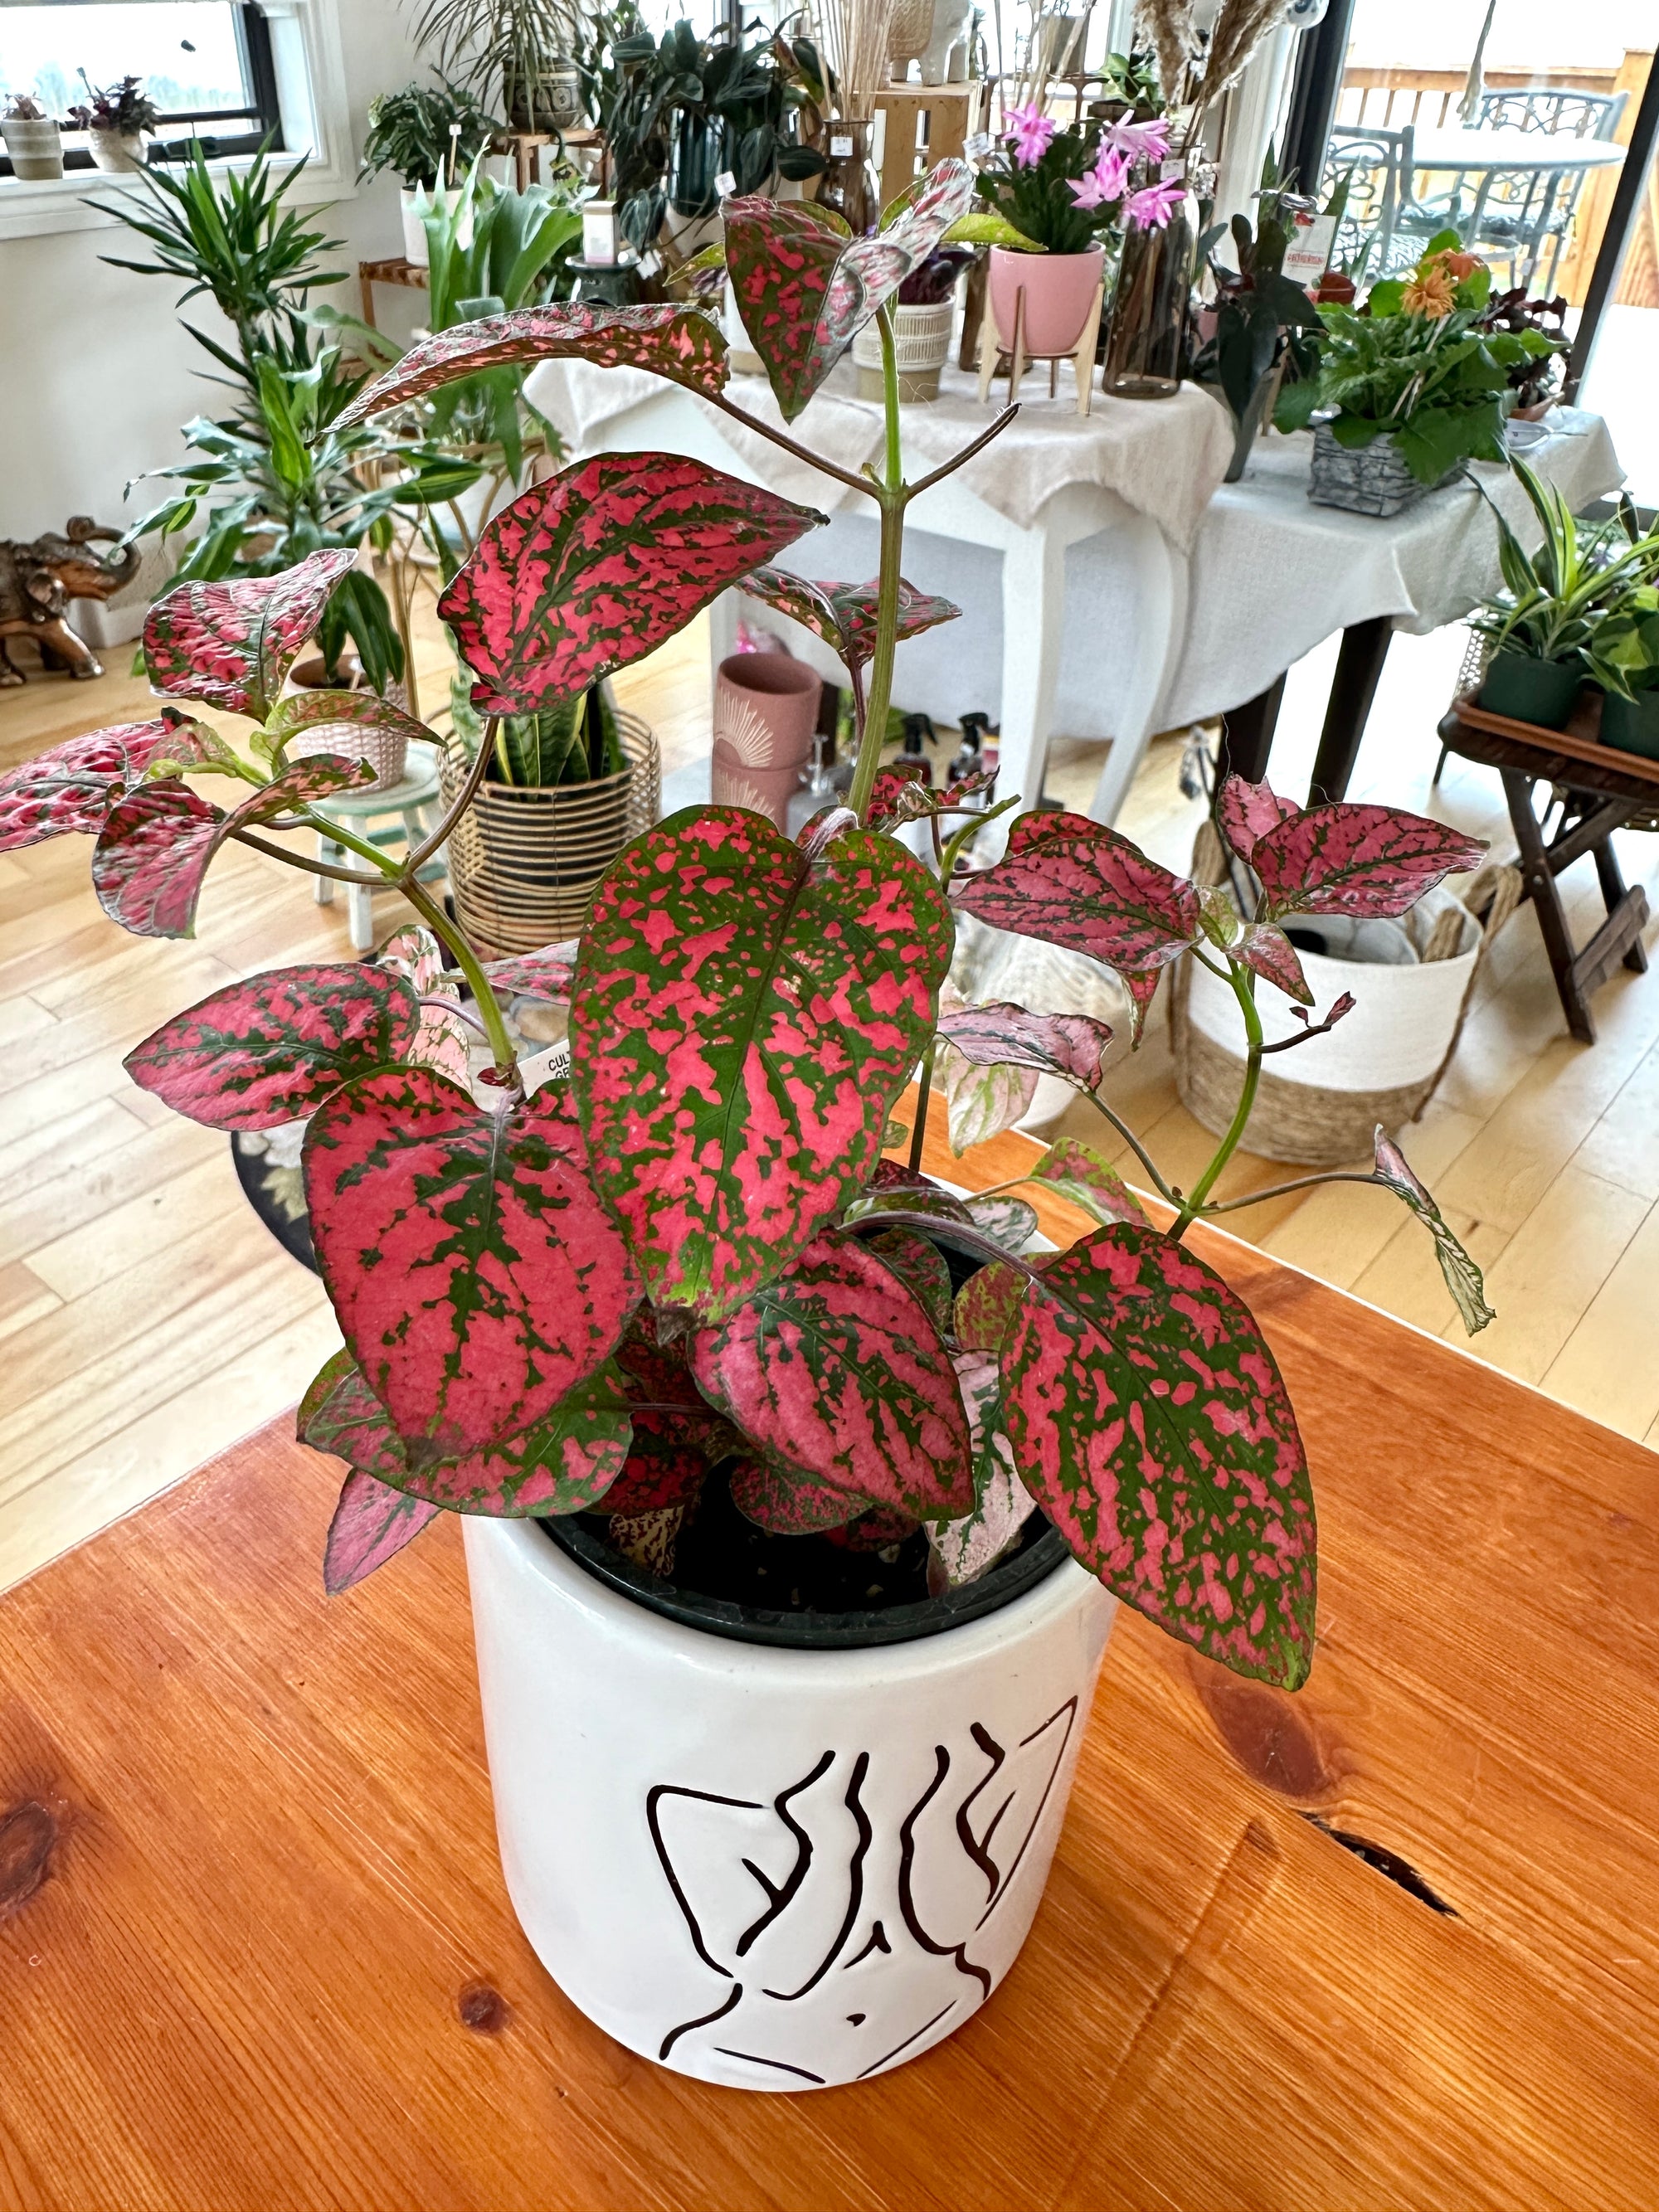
<point x="255" y="1950"/>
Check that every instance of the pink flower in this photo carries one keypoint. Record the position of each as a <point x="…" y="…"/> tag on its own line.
<point x="1028" y="130"/>
<point x="1099" y="187"/>
<point x="1139" y="142"/>
<point x="1153" y="208"/>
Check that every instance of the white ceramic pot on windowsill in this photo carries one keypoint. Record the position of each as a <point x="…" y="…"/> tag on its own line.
<point x="769" y="1867"/>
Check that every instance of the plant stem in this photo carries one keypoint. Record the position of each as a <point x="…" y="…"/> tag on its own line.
<point x="468" y="793"/>
<point x="1280" y="1189"/>
<point x="303" y="860"/>
<point x="893" y="497"/>
<point x="1243" y="990"/>
<point x="890" y="398"/>
<point x="949" y="468"/>
<point x="467" y="961"/>
<point x="924" y="1088"/>
<point x="1135" y="1146"/>
<point x="801" y="453"/>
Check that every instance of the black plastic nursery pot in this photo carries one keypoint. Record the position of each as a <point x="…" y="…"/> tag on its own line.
<point x="1631" y="725"/>
<point x="1527" y="690"/>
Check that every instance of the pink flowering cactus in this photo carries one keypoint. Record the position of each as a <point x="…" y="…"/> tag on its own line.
<point x="1153" y="208"/>
<point x="689" y="1260"/>
<point x="1029" y="132"/>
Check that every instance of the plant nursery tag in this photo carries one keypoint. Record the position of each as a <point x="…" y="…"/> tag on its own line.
<point x="600" y="232"/>
<point x="1308" y="256"/>
<point x="841" y="146"/>
<point x="726" y="183"/>
<point x="1172" y="170"/>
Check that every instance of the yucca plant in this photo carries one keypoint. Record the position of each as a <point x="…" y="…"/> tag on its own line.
<point x="688" y="1262"/>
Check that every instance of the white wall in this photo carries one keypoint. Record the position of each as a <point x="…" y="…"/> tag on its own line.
<point x="96" y="373"/>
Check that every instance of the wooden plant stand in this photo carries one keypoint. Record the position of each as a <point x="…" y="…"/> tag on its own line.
<point x="393" y="271"/>
<point x="1598" y="791"/>
<point x="994" y="348"/>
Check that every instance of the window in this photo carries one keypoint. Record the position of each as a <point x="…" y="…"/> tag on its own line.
<point x="206" y="64"/>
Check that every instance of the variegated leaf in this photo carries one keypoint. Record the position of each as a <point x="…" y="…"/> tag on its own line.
<point x="599" y="565"/>
<point x="265" y="1051"/>
<point x="305" y="710"/>
<point x="231" y="644"/>
<point x="919" y="1202"/>
<point x="339" y="1414"/>
<point x="476" y="1277"/>
<point x="845" y="615"/>
<point x="548" y="974"/>
<point x="1149" y="1421"/>
<point x="902" y="794"/>
<point x="1006" y="1220"/>
<point x="158" y="843"/>
<point x="965" y="1549"/>
<point x="69" y="790"/>
<point x="1271" y="954"/>
<point x="836" y="1369"/>
<point x="680" y="344"/>
<point x="676" y="1434"/>
<point x="1072" y="1046"/>
<point x="1463" y="1279"/>
<point x="1245" y="811"/>
<point x="920" y="1263"/>
<point x="1076" y="883"/>
<point x="743" y="1019"/>
<point x="980" y="1101"/>
<point x="1077" y="1171"/>
<point x="372" y="1523"/>
<point x="441" y="1041"/>
<point x="803" y="292"/>
<point x="1365" y="861"/>
<point x="787" y="1502"/>
<point x="988" y="1305"/>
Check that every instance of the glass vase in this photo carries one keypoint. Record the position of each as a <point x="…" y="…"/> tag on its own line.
<point x="1147" y="339"/>
<point x="850" y="185"/>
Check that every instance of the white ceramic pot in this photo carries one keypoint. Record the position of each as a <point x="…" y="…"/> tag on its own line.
<point x="36" y="148"/>
<point x="772" y="1868"/>
<point x="119" y="153"/>
<point x="415" y="238"/>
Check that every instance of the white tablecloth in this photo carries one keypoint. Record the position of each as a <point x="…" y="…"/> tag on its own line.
<point x="1163" y="458"/>
<point x="1273" y="575"/>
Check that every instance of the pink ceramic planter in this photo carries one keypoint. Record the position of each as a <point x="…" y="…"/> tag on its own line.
<point x="1060" y="290"/>
<point x="766" y="707"/>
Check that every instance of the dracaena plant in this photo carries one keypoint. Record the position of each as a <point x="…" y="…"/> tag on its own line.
<point x="691" y="1251"/>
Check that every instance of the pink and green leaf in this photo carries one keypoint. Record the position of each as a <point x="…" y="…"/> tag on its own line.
<point x="836" y="1369"/>
<point x="69" y="790"/>
<point x="1463" y="1279"/>
<point x="686" y="347"/>
<point x="157" y="843"/>
<point x="441" y="1041"/>
<point x="902" y="794"/>
<point x="980" y="1101"/>
<point x="231" y="644"/>
<point x="743" y="1020"/>
<point x="964" y="1549"/>
<point x="269" y="1050"/>
<point x="1149" y="1421"/>
<point x="305" y="710"/>
<point x="803" y="292"/>
<point x="1077" y="1171"/>
<point x="476" y="1276"/>
<point x="677" y="1433"/>
<point x="1272" y="956"/>
<point x="988" y="1305"/>
<point x="1245" y="811"/>
<point x="1006" y="1220"/>
<point x="339" y="1414"/>
<point x="1365" y="861"/>
<point x="372" y="1523"/>
<point x="1077" y="884"/>
<point x="787" y="1502"/>
<point x="845" y="615"/>
<point x="548" y="974"/>
<point x="598" y="567"/>
<point x="1071" y="1046"/>
<point x="918" y="1263"/>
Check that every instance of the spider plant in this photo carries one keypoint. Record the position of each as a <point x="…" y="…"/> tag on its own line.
<point x="1555" y="600"/>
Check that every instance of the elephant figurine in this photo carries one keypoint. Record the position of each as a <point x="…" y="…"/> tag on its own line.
<point x="945" y="61"/>
<point x="39" y="578"/>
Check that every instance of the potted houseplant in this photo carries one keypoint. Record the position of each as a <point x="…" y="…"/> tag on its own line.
<point x="428" y="136"/>
<point x="33" y="140"/>
<point x="115" y="121"/>
<point x="1554" y="603"/>
<point x="656" y="1325"/>
<point x="517" y="52"/>
<point x="1534" y="380"/>
<point x="923" y="308"/>
<point x="1059" y="194"/>
<point x="1261" y="322"/>
<point x="1414" y="384"/>
<point x="1622" y="657"/>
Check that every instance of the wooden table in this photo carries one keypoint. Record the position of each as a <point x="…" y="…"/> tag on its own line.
<point x="255" y="1950"/>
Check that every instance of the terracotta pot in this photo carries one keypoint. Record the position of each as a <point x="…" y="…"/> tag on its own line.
<point x="766" y="707"/>
<point x="1060" y="290"/>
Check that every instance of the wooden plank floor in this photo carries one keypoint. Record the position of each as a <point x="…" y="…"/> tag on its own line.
<point x="148" y="1320"/>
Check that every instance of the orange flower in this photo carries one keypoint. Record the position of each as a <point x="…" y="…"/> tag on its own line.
<point x="1432" y="294"/>
<point x="1457" y="266"/>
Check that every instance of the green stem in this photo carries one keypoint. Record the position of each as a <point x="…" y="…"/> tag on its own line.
<point x="889" y="393"/>
<point x="467" y="961"/>
<point x="339" y="835"/>
<point x="924" y="1087"/>
<point x="892" y="496"/>
<point x="1243" y="990"/>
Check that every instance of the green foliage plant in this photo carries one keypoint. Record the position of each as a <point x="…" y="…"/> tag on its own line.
<point x="426" y="133"/>
<point x="1261" y="314"/>
<point x="1585" y="594"/>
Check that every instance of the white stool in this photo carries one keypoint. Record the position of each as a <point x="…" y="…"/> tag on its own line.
<point x="408" y="801"/>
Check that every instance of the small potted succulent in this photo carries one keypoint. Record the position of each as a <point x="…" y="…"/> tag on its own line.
<point x="1556" y="602"/>
<point x="429" y="135"/>
<point x="115" y="121"/>
<point x="1060" y="194"/>
<point x="1411" y="385"/>
<point x="33" y="140"/>
<point x="798" y="1490"/>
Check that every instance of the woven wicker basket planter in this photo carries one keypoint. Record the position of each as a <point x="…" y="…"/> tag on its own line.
<point x="1320" y="1105"/>
<point x="524" y="865"/>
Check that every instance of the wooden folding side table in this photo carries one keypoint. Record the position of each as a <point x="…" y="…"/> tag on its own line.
<point x="1599" y="791"/>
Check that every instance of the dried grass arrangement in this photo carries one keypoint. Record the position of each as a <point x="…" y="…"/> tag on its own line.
<point x="1196" y="67"/>
<point x="854" y="37"/>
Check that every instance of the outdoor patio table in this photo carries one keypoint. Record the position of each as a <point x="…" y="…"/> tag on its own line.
<point x="1480" y="152"/>
<point x="1394" y="1942"/>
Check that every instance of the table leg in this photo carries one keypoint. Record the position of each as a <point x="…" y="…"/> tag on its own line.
<point x="1612" y="892"/>
<point x="360" y="914"/>
<point x="1539" y="884"/>
<point x="1358" y="667"/>
<point x="1033" y="617"/>
<point x="1247" y="734"/>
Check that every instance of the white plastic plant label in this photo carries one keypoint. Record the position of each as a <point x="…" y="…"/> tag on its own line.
<point x="1308" y="256"/>
<point x="599" y="234"/>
